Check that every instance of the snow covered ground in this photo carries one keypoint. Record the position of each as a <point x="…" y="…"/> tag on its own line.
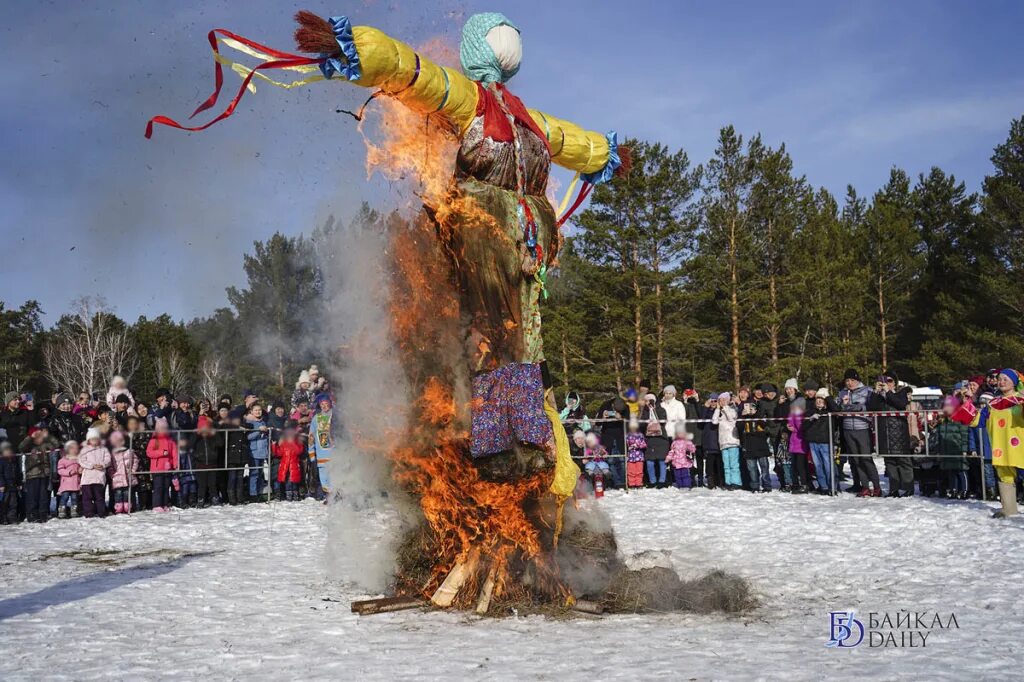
<point x="244" y="593"/>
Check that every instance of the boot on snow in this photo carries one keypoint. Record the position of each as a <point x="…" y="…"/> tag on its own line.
<point x="1008" y="498"/>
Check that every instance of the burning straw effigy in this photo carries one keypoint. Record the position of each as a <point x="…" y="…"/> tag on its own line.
<point x="485" y="458"/>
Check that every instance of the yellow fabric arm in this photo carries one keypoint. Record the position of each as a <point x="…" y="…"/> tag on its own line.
<point x="572" y="147"/>
<point x="390" y="65"/>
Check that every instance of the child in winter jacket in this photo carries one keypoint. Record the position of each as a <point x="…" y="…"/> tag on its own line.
<point x="94" y="460"/>
<point x="185" y="480"/>
<point x="123" y="467"/>
<point x="949" y="442"/>
<point x="798" y="451"/>
<point x="70" y="481"/>
<point x="818" y="438"/>
<point x="37" y="448"/>
<point x="680" y="456"/>
<point x="288" y="451"/>
<point x="724" y="418"/>
<point x="595" y="456"/>
<point x="162" y="451"/>
<point x="636" y="445"/>
<point x="237" y="456"/>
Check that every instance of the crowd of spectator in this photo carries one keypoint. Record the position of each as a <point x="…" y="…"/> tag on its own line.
<point x="115" y="453"/>
<point x="806" y="435"/>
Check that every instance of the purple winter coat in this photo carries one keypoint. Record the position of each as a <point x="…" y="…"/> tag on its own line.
<point x="796" y="433"/>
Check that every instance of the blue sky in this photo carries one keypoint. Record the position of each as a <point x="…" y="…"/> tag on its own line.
<point x="91" y="207"/>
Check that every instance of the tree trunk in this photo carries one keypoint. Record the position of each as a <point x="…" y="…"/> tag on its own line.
<point x="882" y="323"/>
<point x="659" y="323"/>
<point x="734" y="306"/>
<point x="565" y="363"/>
<point x="638" y="342"/>
<point x="617" y="366"/>
<point x="280" y="368"/>
<point x="773" y="327"/>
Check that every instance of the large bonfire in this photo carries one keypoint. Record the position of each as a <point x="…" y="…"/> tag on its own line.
<point x="484" y="457"/>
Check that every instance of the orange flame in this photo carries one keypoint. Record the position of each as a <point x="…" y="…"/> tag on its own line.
<point x="465" y="512"/>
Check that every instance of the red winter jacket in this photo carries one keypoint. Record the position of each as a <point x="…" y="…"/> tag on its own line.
<point x="289" y="453"/>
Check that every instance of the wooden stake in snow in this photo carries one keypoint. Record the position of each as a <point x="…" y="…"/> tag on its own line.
<point x="445" y="595"/>
<point x="368" y="607"/>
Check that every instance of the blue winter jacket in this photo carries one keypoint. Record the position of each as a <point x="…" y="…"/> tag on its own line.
<point x="259" y="441"/>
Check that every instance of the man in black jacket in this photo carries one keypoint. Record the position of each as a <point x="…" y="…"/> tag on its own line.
<point x="15" y="419"/>
<point x="64" y="425"/>
<point x="207" y="455"/>
<point x="894" y="434"/>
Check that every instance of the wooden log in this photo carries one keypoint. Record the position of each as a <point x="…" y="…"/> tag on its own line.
<point x="483" y="602"/>
<point x="449" y="589"/>
<point x="368" y="607"/>
<point x="584" y="606"/>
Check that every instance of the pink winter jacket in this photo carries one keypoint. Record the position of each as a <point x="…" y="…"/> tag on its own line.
<point x="158" y="445"/>
<point x="90" y="456"/>
<point x="681" y="454"/>
<point x="123" y="464"/>
<point x="70" y="475"/>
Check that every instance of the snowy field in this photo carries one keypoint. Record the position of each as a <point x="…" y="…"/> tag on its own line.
<point x="244" y="593"/>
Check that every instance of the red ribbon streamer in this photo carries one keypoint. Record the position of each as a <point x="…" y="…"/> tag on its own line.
<point x="580" y="198"/>
<point x="284" y="60"/>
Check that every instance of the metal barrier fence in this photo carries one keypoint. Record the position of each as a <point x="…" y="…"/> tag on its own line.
<point x="247" y="468"/>
<point x="922" y="416"/>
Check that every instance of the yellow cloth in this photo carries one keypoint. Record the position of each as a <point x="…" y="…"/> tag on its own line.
<point x="390" y="65"/>
<point x="566" y="472"/>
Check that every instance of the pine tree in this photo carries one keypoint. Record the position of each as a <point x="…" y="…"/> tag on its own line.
<point x="892" y="250"/>
<point x="725" y="266"/>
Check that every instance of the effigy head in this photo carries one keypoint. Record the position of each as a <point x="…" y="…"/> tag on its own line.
<point x="491" y="48"/>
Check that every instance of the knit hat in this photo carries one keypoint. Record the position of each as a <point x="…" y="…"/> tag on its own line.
<point x="185" y="398"/>
<point x="811" y="385"/>
<point x="63" y="398"/>
<point x="671" y="389"/>
<point x="69" y="443"/>
<point x="851" y="374"/>
<point x="93" y="433"/>
<point x="792" y="383"/>
<point x="725" y="396"/>
<point x="1012" y="375"/>
<point x="649" y="397"/>
<point x="769" y="388"/>
<point x="11" y="395"/>
<point x="323" y="396"/>
<point x="123" y="398"/>
<point x="630" y="394"/>
<point x="491" y="48"/>
<point x="821" y="393"/>
<point x="713" y="396"/>
<point x="977" y="380"/>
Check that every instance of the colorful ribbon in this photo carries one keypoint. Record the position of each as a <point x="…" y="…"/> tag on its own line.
<point x="275" y="60"/>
